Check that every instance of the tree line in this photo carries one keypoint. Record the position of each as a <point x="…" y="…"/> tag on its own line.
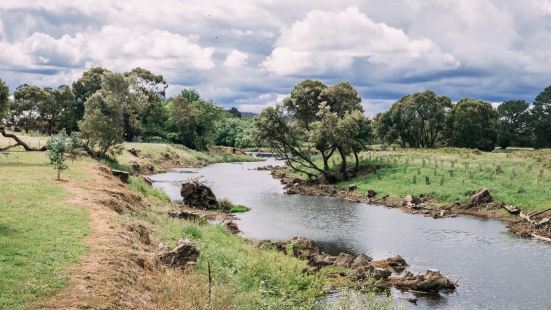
<point x="317" y="121"/>
<point x="105" y="108"/>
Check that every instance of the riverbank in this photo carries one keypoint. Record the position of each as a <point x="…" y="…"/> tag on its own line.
<point x="90" y="241"/>
<point x="441" y="188"/>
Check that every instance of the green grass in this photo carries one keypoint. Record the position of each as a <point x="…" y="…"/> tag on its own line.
<point x="260" y="279"/>
<point x="520" y="178"/>
<point x="239" y="208"/>
<point x="40" y="234"/>
<point x="138" y="185"/>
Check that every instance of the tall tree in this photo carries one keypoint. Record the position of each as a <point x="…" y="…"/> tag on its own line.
<point x="67" y="104"/>
<point x="35" y="108"/>
<point x="316" y="119"/>
<point x="103" y="124"/>
<point x="4" y="99"/>
<point x="190" y="94"/>
<point x="541" y="119"/>
<point x="86" y="86"/>
<point x="416" y="120"/>
<point x="195" y="121"/>
<point x="513" y="123"/>
<point x="473" y="124"/>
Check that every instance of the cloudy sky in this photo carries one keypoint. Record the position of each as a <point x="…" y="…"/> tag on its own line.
<point x="249" y="54"/>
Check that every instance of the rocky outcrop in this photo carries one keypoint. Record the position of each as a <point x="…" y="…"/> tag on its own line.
<point x="361" y="267"/>
<point x="480" y="197"/>
<point x="232" y="227"/>
<point x="198" y="195"/>
<point x="185" y="253"/>
<point x="432" y="281"/>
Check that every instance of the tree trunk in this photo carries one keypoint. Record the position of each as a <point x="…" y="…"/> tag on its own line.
<point x="58" y="174"/>
<point x="357" y="164"/>
<point x="343" y="171"/>
<point x="19" y="142"/>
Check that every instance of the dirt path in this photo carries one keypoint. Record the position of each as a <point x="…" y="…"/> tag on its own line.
<point x="109" y="274"/>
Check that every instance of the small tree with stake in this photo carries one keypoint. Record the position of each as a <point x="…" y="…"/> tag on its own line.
<point x="59" y="148"/>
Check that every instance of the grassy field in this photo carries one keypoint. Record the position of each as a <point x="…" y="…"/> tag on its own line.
<point x="521" y="177"/>
<point x="40" y="234"/>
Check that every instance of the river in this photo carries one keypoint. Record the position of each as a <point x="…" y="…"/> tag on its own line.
<point x="495" y="269"/>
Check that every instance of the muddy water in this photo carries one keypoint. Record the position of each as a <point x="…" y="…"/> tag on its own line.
<point x="495" y="269"/>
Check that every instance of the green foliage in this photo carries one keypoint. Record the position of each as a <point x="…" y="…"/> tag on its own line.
<point x="541" y="119"/>
<point x="195" y="121"/>
<point x="316" y="119"/>
<point x="85" y="87"/>
<point x="236" y="132"/>
<point x="473" y="124"/>
<point x="190" y="94"/>
<point x="59" y="147"/>
<point x="138" y="185"/>
<point x="416" y="120"/>
<point x="514" y="121"/>
<point x="104" y="120"/>
<point x="239" y="209"/>
<point x="260" y="279"/>
<point x="4" y="99"/>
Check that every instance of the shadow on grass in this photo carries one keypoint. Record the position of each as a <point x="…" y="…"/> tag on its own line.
<point x="6" y="230"/>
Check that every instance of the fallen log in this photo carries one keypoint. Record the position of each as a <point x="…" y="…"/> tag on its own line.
<point x="511" y="209"/>
<point x="536" y="236"/>
<point x="380" y="198"/>
<point x="19" y="142"/>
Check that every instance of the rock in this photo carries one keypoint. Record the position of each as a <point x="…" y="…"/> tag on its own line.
<point x="396" y="263"/>
<point x="352" y="187"/>
<point x="371" y="193"/>
<point x="134" y="152"/>
<point x="184" y="254"/>
<point x="380" y="273"/>
<point x="344" y="260"/>
<point x="361" y="260"/>
<point x="292" y="191"/>
<point x="184" y="214"/>
<point x="411" y="200"/>
<point x="321" y="260"/>
<point x="362" y="272"/>
<point x="232" y="227"/>
<point x="431" y="281"/>
<point x="303" y="248"/>
<point x="150" y="167"/>
<point x="135" y="166"/>
<point x="122" y="175"/>
<point x="198" y="195"/>
<point x="481" y="197"/>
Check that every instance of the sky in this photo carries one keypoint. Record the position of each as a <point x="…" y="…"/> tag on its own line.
<point x="250" y="54"/>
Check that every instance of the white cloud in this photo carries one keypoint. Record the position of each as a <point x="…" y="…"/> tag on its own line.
<point x="235" y="59"/>
<point x="325" y="41"/>
<point x="114" y="47"/>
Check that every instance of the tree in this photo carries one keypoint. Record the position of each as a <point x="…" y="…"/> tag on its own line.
<point x="416" y="120"/>
<point x="541" y="119"/>
<point x="234" y="112"/>
<point x="68" y="108"/>
<point x="59" y="147"/>
<point x="4" y="99"/>
<point x="316" y="119"/>
<point x="103" y="124"/>
<point x="35" y="108"/>
<point x="85" y="87"/>
<point x="194" y="121"/>
<point x="191" y="95"/>
<point x="513" y="123"/>
<point x="473" y="124"/>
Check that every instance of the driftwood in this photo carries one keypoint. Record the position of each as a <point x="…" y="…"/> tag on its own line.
<point x="511" y="209"/>
<point x="529" y="217"/>
<point x="19" y="142"/>
<point x="380" y="198"/>
<point x="536" y="236"/>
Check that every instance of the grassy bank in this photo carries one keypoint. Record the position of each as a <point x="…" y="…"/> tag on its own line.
<point x="244" y="276"/>
<point x="517" y="177"/>
<point x="41" y="234"/>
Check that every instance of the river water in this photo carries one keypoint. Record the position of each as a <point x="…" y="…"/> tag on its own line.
<point x="495" y="269"/>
